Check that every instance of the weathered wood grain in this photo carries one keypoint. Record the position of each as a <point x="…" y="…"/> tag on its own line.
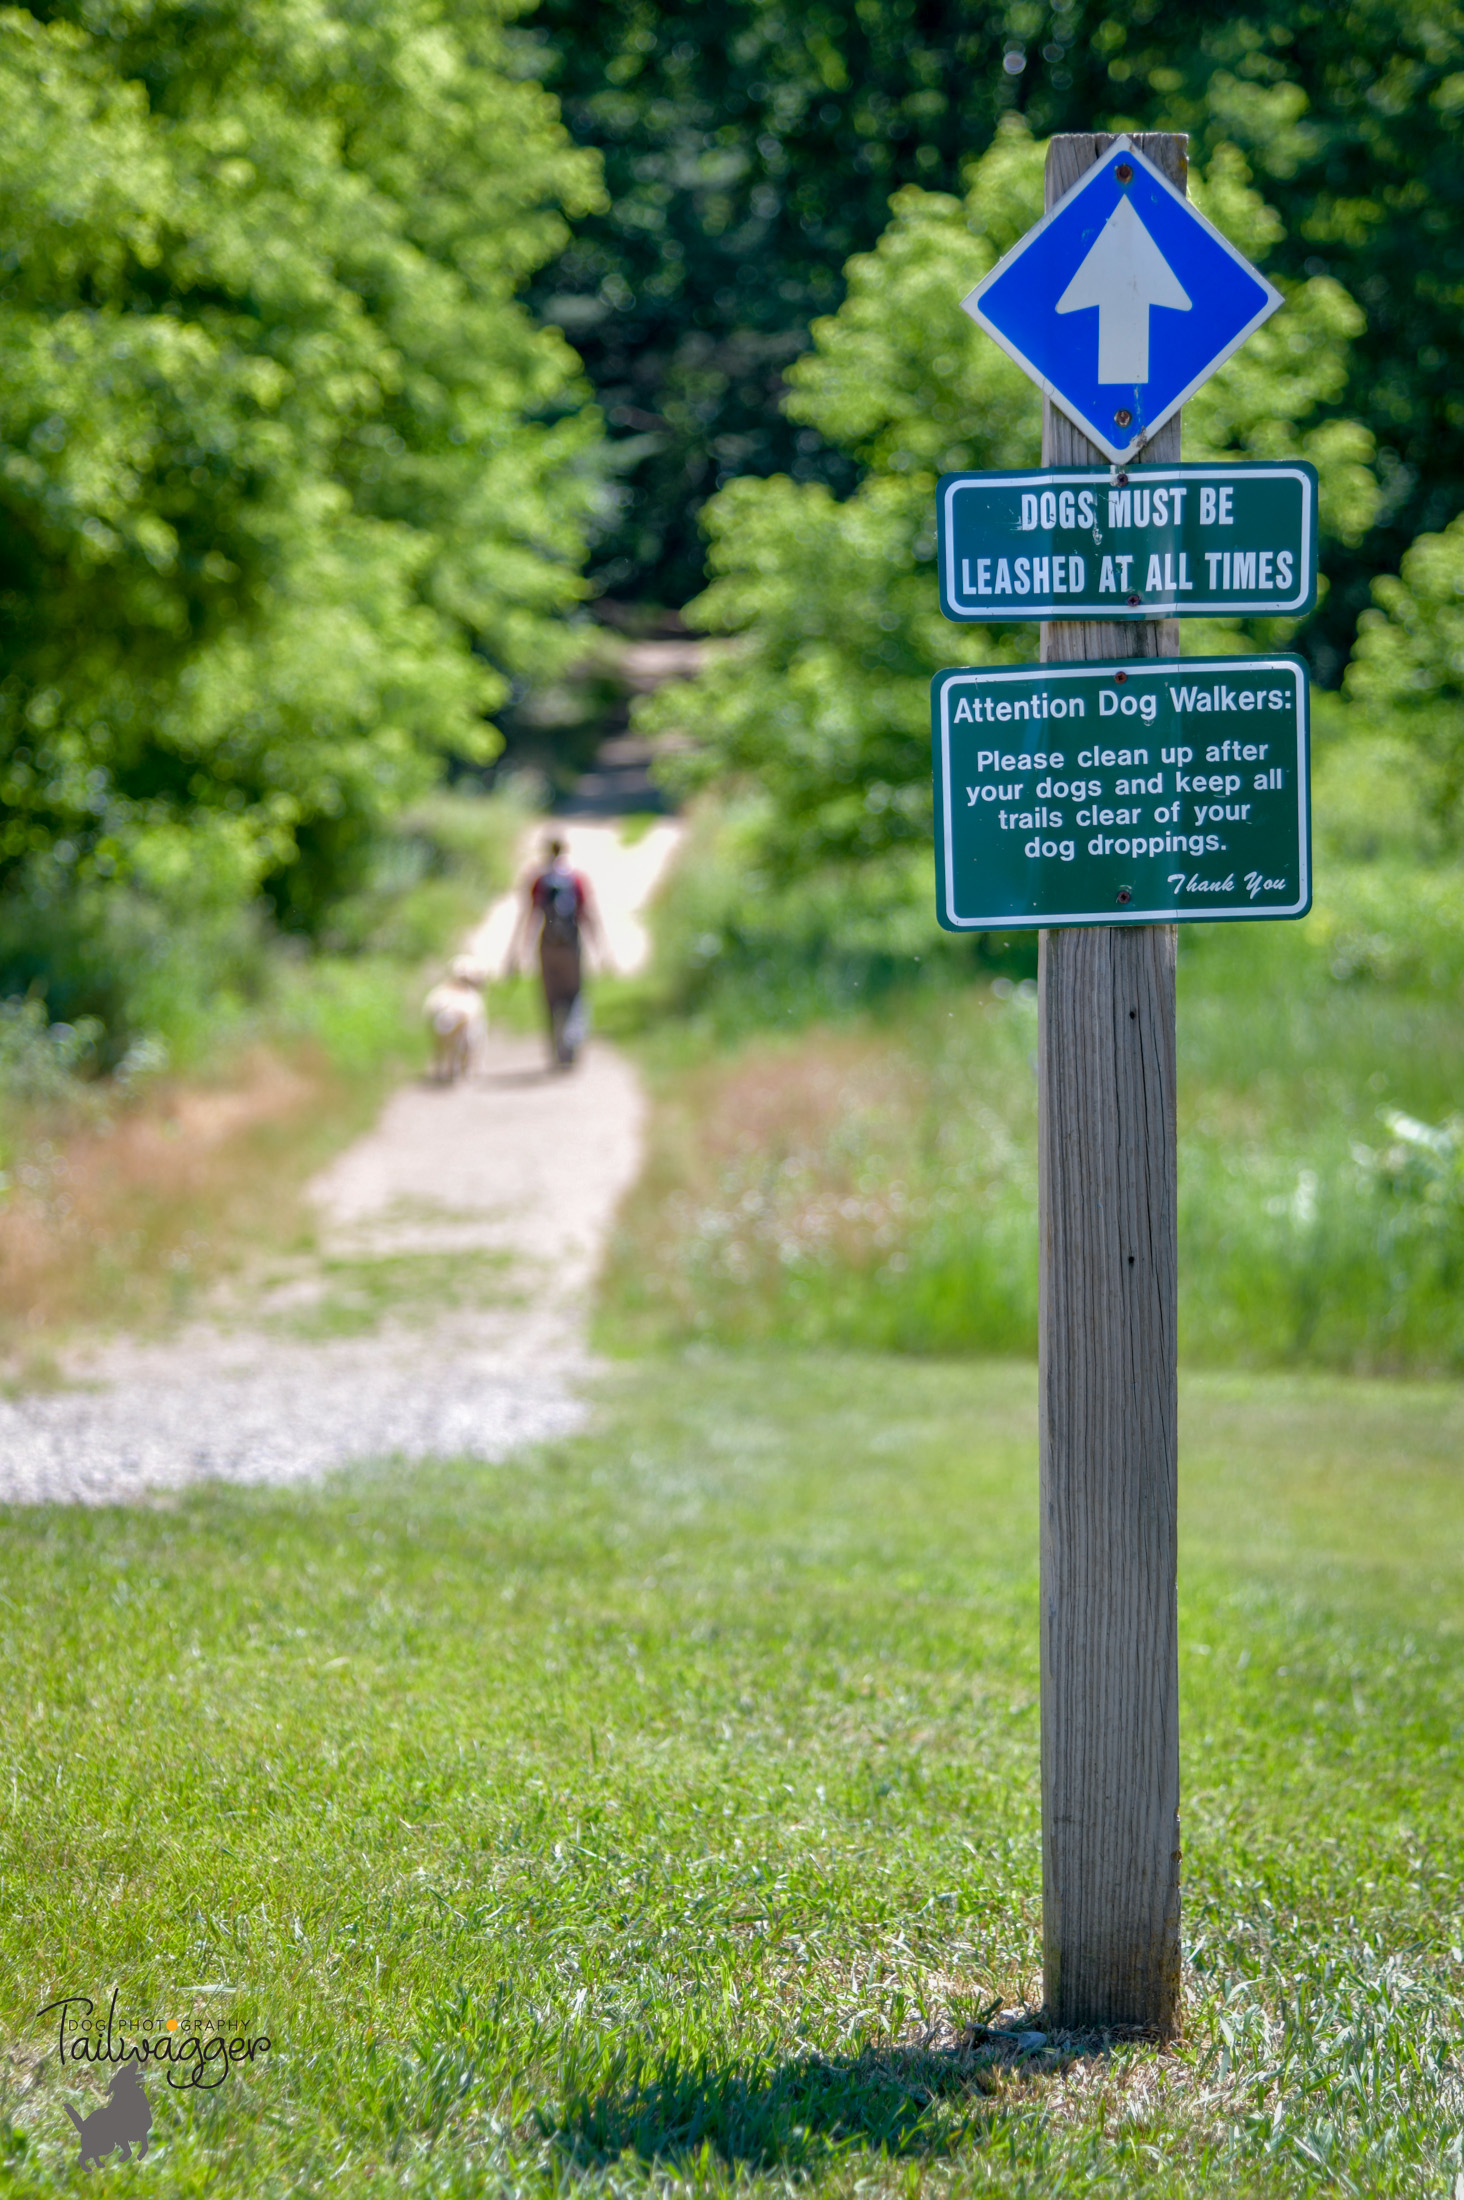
<point x="1109" y="1437"/>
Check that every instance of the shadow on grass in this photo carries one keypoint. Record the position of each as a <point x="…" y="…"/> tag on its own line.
<point x="797" y="2114"/>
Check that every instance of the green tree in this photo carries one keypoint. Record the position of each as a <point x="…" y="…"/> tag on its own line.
<point x="1407" y="672"/>
<point x="751" y="147"/>
<point x="823" y="699"/>
<point x="293" y="487"/>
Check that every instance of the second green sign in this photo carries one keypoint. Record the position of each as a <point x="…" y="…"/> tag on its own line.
<point x="1138" y="792"/>
<point x="1146" y="542"/>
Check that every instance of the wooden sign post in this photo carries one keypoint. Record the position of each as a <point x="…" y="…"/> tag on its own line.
<point x="1116" y="519"/>
<point x="1109" y="1406"/>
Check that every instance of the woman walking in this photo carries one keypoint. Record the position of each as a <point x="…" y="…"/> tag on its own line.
<point x="559" y="900"/>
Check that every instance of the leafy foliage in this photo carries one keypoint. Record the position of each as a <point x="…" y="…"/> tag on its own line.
<point x="292" y="486"/>
<point x="39" y="1060"/>
<point x="1408" y="670"/>
<point x="824" y="700"/>
<point x="751" y="147"/>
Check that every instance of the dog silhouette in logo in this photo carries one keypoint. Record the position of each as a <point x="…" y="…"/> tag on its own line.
<point x="125" y="2122"/>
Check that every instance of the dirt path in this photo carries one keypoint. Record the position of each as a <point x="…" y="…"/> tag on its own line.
<point x="444" y="1313"/>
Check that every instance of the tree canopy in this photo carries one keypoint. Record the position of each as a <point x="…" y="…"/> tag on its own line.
<point x="751" y="146"/>
<point x="293" y="486"/>
<point x="1407" y="672"/>
<point x="823" y="698"/>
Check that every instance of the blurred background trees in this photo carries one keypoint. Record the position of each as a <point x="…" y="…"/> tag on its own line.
<point x="359" y="364"/>
<point x="751" y="146"/>
<point x="292" y="486"/>
<point x="824" y="703"/>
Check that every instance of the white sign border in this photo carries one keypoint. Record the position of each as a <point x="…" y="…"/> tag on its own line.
<point x="998" y="675"/>
<point x="1122" y="146"/>
<point x="1157" y="607"/>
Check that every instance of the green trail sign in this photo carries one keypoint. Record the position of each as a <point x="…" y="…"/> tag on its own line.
<point x="1143" y="792"/>
<point x="1069" y="542"/>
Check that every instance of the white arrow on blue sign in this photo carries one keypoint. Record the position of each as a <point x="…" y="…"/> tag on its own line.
<point x="1122" y="301"/>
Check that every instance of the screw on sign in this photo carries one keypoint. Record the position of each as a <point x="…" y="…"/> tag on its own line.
<point x="1103" y="796"/>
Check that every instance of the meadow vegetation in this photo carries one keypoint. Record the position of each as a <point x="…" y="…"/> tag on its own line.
<point x="844" y="1150"/>
<point x="122" y="1197"/>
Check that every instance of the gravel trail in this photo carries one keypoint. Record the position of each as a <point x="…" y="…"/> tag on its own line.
<point x="476" y="1216"/>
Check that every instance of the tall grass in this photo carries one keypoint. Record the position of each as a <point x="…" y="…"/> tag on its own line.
<point x="847" y="1155"/>
<point x="873" y="1182"/>
<point x="741" y="949"/>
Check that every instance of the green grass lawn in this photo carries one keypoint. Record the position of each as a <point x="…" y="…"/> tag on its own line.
<point x="654" y="1811"/>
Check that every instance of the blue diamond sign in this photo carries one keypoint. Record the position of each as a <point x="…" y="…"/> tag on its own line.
<point x="1121" y="301"/>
